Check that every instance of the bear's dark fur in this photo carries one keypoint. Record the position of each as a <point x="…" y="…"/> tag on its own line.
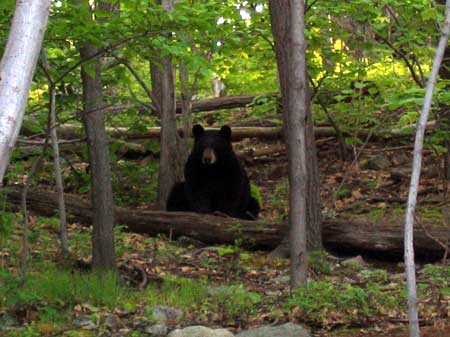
<point x="215" y="180"/>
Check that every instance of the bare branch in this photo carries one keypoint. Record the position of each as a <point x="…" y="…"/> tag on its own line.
<point x="403" y="56"/>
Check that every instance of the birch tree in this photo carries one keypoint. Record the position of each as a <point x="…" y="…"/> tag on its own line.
<point x="413" y="316"/>
<point x="17" y="69"/>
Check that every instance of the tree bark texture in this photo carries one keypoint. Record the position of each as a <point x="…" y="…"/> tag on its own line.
<point x="103" y="249"/>
<point x="186" y="108"/>
<point x="70" y="131"/>
<point x="17" y="69"/>
<point x="280" y="29"/>
<point x="296" y="126"/>
<point x="380" y="239"/>
<point x="219" y="103"/>
<point x="171" y="163"/>
<point x="413" y="316"/>
<point x="58" y="174"/>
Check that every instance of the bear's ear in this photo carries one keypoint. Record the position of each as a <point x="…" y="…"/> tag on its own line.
<point x="225" y="131"/>
<point x="198" y="131"/>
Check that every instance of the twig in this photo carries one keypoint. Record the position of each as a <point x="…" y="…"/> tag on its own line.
<point x="445" y="246"/>
<point x="25" y="225"/>
<point x="402" y="55"/>
<point x="154" y="102"/>
<point x="358" y="154"/>
<point x="99" y="52"/>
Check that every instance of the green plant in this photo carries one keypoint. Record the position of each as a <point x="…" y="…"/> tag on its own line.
<point x="7" y="222"/>
<point x="177" y="292"/>
<point x="343" y="193"/>
<point x="236" y="301"/>
<point x="66" y="288"/>
<point x="440" y="274"/>
<point x="376" y="275"/>
<point x="256" y="193"/>
<point x="319" y="263"/>
<point x="320" y="301"/>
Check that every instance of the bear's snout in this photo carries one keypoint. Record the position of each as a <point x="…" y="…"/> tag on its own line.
<point x="209" y="156"/>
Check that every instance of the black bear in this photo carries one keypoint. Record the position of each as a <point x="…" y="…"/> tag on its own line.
<point x="215" y="180"/>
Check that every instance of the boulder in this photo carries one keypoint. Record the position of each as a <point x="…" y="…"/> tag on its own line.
<point x="285" y="330"/>
<point x="200" y="331"/>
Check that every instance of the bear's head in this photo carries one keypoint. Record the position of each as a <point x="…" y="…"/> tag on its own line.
<point x="210" y="146"/>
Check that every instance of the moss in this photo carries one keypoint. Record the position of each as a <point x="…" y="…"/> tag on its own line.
<point x="256" y="193"/>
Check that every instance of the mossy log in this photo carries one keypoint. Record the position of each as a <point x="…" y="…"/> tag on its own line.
<point x="381" y="240"/>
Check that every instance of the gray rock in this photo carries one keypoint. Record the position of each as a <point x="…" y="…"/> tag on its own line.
<point x="187" y="241"/>
<point x="282" y="279"/>
<point x="356" y="261"/>
<point x="112" y="322"/>
<point x="84" y="323"/>
<point x="285" y="330"/>
<point x="157" y="330"/>
<point x="379" y="162"/>
<point x="280" y="252"/>
<point x="7" y="322"/>
<point x="162" y="313"/>
<point x="200" y="331"/>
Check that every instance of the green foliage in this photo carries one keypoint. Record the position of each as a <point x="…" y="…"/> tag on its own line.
<point x="7" y="221"/>
<point x="440" y="275"/>
<point x="256" y="193"/>
<point x="343" y="193"/>
<point x="228" y="250"/>
<point x="266" y="105"/>
<point x="320" y="300"/>
<point x="8" y="283"/>
<point x="318" y="261"/>
<point x="135" y="183"/>
<point x="236" y="301"/>
<point x="177" y="292"/>
<point x="375" y="275"/>
<point x="66" y="288"/>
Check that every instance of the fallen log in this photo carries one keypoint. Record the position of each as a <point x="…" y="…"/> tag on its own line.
<point x="129" y="150"/>
<point x="342" y="236"/>
<point x="70" y="131"/>
<point x="219" y="103"/>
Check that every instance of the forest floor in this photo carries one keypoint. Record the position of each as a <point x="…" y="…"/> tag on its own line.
<point x="226" y="286"/>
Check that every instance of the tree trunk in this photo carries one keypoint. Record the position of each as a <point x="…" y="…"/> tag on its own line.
<point x="343" y="236"/>
<point x="170" y="164"/>
<point x="413" y="315"/>
<point x="280" y="31"/>
<point x="58" y="174"/>
<point x="296" y="126"/>
<point x="52" y="129"/>
<point x="186" y="108"/>
<point x="17" y="69"/>
<point x="103" y="250"/>
<point x="443" y="115"/>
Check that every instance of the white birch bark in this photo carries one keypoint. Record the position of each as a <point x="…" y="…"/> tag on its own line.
<point x="296" y="121"/>
<point x="413" y="316"/>
<point x="17" y="69"/>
